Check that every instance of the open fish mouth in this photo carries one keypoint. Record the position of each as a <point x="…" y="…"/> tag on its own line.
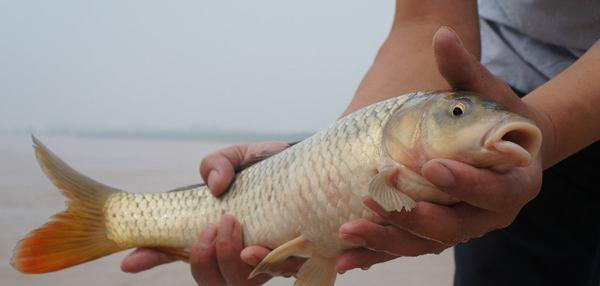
<point x="517" y="140"/>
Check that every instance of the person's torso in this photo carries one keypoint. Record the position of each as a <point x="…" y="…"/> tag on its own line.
<point x="527" y="42"/>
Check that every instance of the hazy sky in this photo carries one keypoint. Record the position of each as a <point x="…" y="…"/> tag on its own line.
<point x="261" y="65"/>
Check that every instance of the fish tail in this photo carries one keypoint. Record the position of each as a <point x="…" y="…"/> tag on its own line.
<point x="74" y="236"/>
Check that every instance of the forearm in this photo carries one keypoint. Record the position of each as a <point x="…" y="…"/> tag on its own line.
<point x="405" y="61"/>
<point x="570" y="104"/>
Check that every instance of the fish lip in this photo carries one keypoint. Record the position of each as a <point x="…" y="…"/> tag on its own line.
<point x="523" y="154"/>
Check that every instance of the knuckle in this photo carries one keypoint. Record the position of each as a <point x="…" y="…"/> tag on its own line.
<point x="449" y="242"/>
<point x="237" y="151"/>
<point x="505" y="221"/>
<point x="438" y="249"/>
<point x="460" y="235"/>
<point x="204" y="167"/>
<point x="505" y="199"/>
<point x="528" y="186"/>
<point x="378" y="240"/>
<point x="209" y="160"/>
<point x="199" y="257"/>
<point x="223" y="246"/>
<point x="407" y="220"/>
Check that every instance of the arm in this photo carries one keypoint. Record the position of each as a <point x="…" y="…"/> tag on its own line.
<point x="571" y="101"/>
<point x="405" y="61"/>
<point x="564" y="108"/>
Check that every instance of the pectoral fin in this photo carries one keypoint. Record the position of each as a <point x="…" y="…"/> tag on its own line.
<point x="296" y="246"/>
<point x="382" y="189"/>
<point x="317" y="271"/>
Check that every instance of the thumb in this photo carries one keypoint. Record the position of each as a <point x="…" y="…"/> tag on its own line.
<point x="464" y="72"/>
<point x="479" y="187"/>
<point x="218" y="168"/>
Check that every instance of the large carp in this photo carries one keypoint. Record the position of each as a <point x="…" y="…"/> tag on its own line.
<point x="295" y="201"/>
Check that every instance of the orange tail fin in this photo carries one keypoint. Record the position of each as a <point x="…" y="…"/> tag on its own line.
<point x="74" y="236"/>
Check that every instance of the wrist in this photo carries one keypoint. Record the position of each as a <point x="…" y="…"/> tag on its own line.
<point x="546" y="124"/>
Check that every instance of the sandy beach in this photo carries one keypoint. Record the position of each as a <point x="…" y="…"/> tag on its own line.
<point x="28" y="199"/>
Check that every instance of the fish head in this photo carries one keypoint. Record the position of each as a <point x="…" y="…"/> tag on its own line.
<point x="461" y="126"/>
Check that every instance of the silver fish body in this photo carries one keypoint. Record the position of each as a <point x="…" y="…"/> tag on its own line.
<point x="308" y="189"/>
<point x="295" y="201"/>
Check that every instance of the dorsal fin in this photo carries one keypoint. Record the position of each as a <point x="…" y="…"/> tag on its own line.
<point x="262" y="157"/>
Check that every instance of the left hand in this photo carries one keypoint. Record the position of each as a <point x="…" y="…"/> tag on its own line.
<point x="217" y="170"/>
<point x="216" y="258"/>
<point x="489" y="200"/>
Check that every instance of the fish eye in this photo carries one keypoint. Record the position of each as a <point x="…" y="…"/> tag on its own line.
<point x="458" y="110"/>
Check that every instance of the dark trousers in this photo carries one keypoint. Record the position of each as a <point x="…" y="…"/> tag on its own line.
<point x="555" y="239"/>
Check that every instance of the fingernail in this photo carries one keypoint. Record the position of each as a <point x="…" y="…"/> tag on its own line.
<point x="439" y="174"/>
<point x="249" y="258"/>
<point x="341" y="265"/>
<point x="339" y="269"/>
<point x="347" y="230"/>
<point x="352" y="239"/>
<point x="365" y="267"/>
<point x="457" y="39"/>
<point x="213" y="177"/>
<point x="207" y="237"/>
<point x="253" y="260"/>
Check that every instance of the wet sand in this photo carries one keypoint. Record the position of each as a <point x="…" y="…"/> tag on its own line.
<point x="28" y="199"/>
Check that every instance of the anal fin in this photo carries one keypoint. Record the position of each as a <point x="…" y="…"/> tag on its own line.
<point x="317" y="271"/>
<point x="296" y="246"/>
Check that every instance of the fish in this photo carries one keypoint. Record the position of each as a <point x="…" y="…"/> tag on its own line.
<point x="294" y="201"/>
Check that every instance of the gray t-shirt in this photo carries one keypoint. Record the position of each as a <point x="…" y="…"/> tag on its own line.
<point x="528" y="42"/>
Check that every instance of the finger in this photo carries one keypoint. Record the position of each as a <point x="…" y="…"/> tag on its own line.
<point x="446" y="225"/>
<point x="218" y="169"/>
<point x="382" y="238"/>
<point x="464" y="72"/>
<point x="360" y="258"/>
<point x="203" y="259"/>
<point x="253" y="255"/>
<point x="229" y="244"/>
<point x="143" y="259"/>
<point x="481" y="187"/>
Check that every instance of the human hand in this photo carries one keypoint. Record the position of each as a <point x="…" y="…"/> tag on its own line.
<point x="216" y="258"/>
<point x="218" y="168"/>
<point x="489" y="200"/>
<point x="221" y="261"/>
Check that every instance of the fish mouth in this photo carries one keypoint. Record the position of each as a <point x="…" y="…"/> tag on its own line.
<point x="517" y="141"/>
